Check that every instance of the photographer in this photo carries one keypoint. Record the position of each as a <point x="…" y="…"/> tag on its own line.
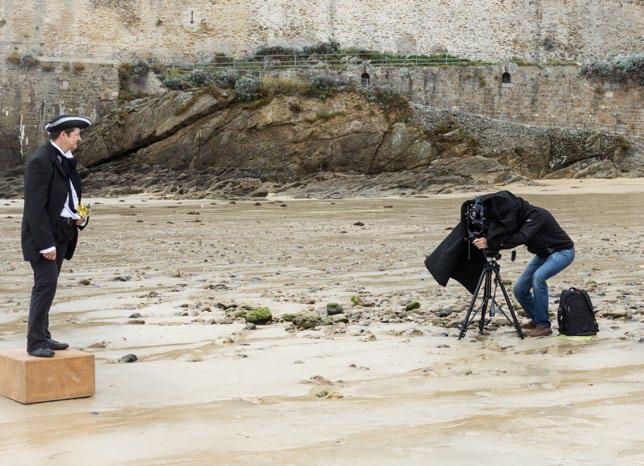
<point x="554" y="251"/>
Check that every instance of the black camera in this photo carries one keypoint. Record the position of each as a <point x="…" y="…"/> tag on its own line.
<point x="474" y="219"/>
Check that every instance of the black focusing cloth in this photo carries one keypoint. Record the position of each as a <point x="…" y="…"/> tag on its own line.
<point x="456" y="259"/>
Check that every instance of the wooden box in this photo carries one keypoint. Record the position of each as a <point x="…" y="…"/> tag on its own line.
<point x="27" y="379"/>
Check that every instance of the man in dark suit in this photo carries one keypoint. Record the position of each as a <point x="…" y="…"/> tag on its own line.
<point x="50" y="223"/>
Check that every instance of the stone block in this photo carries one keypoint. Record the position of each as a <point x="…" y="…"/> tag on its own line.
<point x="69" y="374"/>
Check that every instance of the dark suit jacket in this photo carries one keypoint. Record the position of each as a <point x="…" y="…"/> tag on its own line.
<point x="46" y="189"/>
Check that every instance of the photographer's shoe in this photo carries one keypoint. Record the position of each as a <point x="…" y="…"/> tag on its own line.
<point x="540" y="331"/>
<point x="42" y="353"/>
<point x="57" y="345"/>
<point x="529" y="325"/>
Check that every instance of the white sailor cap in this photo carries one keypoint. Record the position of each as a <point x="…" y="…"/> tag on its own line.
<point x="61" y="122"/>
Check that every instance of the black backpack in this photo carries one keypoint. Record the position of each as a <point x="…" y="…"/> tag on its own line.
<point x="575" y="315"/>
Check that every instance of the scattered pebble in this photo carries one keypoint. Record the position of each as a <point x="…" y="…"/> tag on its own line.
<point x="128" y="358"/>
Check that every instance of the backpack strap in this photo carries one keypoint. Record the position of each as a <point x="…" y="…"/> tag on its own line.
<point x="564" y="297"/>
<point x="584" y="293"/>
<point x="560" y="323"/>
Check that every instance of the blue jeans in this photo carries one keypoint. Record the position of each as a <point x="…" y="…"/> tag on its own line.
<point x="534" y="277"/>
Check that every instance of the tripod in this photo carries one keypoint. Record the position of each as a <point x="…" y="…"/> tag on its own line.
<point x="489" y="274"/>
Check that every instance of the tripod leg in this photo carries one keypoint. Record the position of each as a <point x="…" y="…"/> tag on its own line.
<point x="471" y="307"/>
<point x="515" y="321"/>
<point x="487" y="296"/>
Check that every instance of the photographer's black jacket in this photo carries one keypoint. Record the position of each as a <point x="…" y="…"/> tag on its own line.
<point x="539" y="231"/>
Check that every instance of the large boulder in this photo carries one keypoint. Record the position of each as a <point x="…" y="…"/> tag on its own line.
<point x="279" y="139"/>
<point x="142" y="122"/>
<point x="541" y="151"/>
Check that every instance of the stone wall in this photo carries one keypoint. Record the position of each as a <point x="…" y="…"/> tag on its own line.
<point x="539" y="95"/>
<point x="542" y="96"/>
<point x="29" y="97"/>
<point x="183" y="31"/>
<point x="80" y="43"/>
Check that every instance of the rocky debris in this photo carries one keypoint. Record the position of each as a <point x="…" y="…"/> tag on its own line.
<point x="333" y="309"/>
<point x="304" y="320"/>
<point x="339" y="318"/>
<point x="136" y="322"/>
<point x="128" y="358"/>
<point x="323" y="388"/>
<point x="317" y="380"/>
<point x="444" y="312"/>
<point x="193" y="356"/>
<point x="98" y="345"/>
<point x="328" y="394"/>
<point x="12" y="177"/>
<point x="617" y="314"/>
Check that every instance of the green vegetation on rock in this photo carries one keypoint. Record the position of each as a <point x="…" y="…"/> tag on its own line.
<point x="621" y="68"/>
<point x="261" y="316"/>
<point x="412" y="305"/>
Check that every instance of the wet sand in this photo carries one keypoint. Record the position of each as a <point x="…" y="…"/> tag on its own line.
<point x="390" y="387"/>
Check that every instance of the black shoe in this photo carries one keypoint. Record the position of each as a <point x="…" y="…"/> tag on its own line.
<point x="42" y="353"/>
<point x="57" y="345"/>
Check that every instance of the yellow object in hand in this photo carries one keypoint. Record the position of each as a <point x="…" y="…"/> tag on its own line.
<point x="83" y="210"/>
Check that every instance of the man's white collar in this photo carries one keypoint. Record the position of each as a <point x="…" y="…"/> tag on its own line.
<point x="67" y="154"/>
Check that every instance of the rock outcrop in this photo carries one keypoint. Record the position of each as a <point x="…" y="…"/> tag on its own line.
<point x="282" y="139"/>
<point x="351" y="142"/>
<point x="543" y="152"/>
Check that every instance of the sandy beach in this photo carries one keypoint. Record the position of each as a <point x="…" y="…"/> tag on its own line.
<point x="163" y="279"/>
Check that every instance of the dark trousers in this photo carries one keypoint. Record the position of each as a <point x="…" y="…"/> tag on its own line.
<point x="42" y="294"/>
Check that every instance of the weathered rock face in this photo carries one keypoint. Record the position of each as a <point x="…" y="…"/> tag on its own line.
<point x="206" y="142"/>
<point x="281" y="140"/>
<point x="144" y="122"/>
<point x="9" y="150"/>
<point x="543" y="151"/>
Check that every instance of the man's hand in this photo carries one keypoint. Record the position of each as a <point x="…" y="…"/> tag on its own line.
<point x="51" y="256"/>
<point x="80" y="221"/>
<point x="480" y="243"/>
